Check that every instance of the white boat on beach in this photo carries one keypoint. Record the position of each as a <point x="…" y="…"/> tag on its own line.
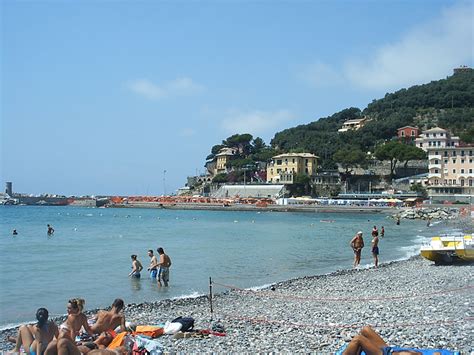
<point x="446" y="249"/>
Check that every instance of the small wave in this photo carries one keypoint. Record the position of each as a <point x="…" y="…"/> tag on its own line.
<point x="194" y="294"/>
<point x="256" y="288"/>
<point x="89" y="215"/>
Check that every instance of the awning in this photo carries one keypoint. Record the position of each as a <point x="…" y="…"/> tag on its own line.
<point x="411" y="199"/>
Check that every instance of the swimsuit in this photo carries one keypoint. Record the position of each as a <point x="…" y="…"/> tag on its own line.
<point x="164" y="273"/>
<point x="153" y="273"/>
<point x="375" y="250"/>
<point x="136" y="274"/>
<point x="32" y="350"/>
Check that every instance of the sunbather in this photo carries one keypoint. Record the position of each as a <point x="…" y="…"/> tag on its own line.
<point x="109" y="320"/>
<point x="73" y="324"/>
<point x="35" y="338"/>
<point x="372" y="344"/>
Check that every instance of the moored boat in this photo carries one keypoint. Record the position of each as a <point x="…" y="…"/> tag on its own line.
<point x="446" y="249"/>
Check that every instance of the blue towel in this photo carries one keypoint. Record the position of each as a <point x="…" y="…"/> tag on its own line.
<point x="390" y="349"/>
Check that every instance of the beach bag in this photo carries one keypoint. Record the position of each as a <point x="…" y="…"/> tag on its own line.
<point x="187" y="323"/>
<point x="148" y="330"/>
<point x="172" y="328"/>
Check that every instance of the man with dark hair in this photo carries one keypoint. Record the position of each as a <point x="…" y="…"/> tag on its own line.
<point x="153" y="268"/>
<point x="164" y="267"/>
<point x="109" y="320"/>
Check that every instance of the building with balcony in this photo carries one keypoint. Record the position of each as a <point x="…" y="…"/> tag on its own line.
<point x="353" y="125"/>
<point x="436" y="138"/>
<point x="451" y="171"/>
<point x="408" y="134"/>
<point x="283" y="168"/>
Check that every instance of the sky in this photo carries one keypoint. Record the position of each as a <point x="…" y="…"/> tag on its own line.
<point x="128" y="97"/>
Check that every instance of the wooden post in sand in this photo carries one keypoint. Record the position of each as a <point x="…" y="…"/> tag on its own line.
<point x="210" y="296"/>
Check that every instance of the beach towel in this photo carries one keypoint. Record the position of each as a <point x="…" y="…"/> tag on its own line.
<point x="149" y="330"/>
<point x="118" y="341"/>
<point x="144" y="345"/>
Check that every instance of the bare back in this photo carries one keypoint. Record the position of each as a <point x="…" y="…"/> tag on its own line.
<point x="108" y="321"/>
<point x="44" y="335"/>
<point x="165" y="260"/>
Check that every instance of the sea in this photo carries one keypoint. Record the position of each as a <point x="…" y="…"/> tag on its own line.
<point x="89" y="254"/>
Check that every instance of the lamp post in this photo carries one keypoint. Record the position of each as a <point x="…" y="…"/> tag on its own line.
<point x="164" y="182"/>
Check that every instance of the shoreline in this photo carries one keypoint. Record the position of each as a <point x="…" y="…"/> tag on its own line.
<point x="321" y="312"/>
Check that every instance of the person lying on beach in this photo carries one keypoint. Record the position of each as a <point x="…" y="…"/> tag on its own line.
<point x="35" y="338"/>
<point x="66" y="346"/>
<point x="73" y="324"/>
<point x="106" y="321"/>
<point x="373" y="344"/>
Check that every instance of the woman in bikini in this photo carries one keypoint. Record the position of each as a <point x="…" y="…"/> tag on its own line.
<point x="35" y="338"/>
<point x="73" y="324"/>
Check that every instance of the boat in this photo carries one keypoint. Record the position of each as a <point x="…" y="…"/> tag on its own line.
<point x="447" y="249"/>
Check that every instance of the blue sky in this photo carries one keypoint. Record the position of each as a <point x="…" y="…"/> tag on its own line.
<point x="100" y="97"/>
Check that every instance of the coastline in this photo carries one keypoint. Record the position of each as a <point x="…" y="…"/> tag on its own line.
<point x="410" y="302"/>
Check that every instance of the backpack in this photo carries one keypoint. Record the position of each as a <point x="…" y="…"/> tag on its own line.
<point x="187" y="322"/>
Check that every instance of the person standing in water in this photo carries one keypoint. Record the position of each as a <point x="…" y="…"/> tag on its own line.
<point x="153" y="268"/>
<point x="375" y="249"/>
<point x="382" y="232"/>
<point x="136" y="267"/>
<point x="50" y="230"/>
<point x="357" y="243"/>
<point x="15" y="232"/>
<point x="164" y="267"/>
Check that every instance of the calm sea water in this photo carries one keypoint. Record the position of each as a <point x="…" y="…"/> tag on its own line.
<point x="89" y="254"/>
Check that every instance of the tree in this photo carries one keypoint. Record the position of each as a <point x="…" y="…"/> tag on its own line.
<point x="349" y="158"/>
<point x="420" y="189"/>
<point x="258" y="145"/>
<point x="392" y="151"/>
<point x="220" y="178"/>
<point x="411" y="152"/>
<point x="301" y="185"/>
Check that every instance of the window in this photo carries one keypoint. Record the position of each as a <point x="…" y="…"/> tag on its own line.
<point x="436" y="161"/>
<point x="441" y="134"/>
<point x="412" y="133"/>
<point x="462" y="182"/>
<point x="278" y="171"/>
<point x="462" y="161"/>
<point x="436" y="171"/>
<point x="446" y="161"/>
<point x="429" y="144"/>
<point x="279" y="162"/>
<point x="436" y="181"/>
<point x="462" y="153"/>
<point x="470" y="171"/>
<point x="293" y="160"/>
<point x="436" y="153"/>
<point x="403" y="133"/>
<point x="454" y="171"/>
<point x="454" y="161"/>
<point x="462" y="171"/>
<point x="306" y="170"/>
<point x="434" y="135"/>
<point x="454" y="153"/>
<point x="439" y="144"/>
<point x="445" y="153"/>
<point x="470" y="153"/>
<point x="421" y="144"/>
<point x="470" y="182"/>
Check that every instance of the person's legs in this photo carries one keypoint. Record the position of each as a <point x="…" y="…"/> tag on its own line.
<point x="166" y="276"/>
<point x="24" y="338"/>
<point x="67" y="347"/>
<point x="361" y="343"/>
<point x="374" y="338"/>
<point x="52" y="348"/>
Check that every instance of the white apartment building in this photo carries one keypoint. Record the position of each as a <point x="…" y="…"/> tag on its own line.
<point x="436" y="138"/>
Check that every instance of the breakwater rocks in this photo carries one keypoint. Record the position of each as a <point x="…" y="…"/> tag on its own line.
<point x="410" y="303"/>
<point x="428" y="213"/>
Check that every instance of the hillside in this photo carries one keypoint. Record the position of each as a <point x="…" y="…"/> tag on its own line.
<point x="448" y="103"/>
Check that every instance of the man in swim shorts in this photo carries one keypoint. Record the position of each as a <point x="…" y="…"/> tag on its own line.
<point x="153" y="268"/>
<point x="164" y="267"/>
<point x="109" y="320"/>
<point x="357" y="243"/>
<point x="375" y="249"/>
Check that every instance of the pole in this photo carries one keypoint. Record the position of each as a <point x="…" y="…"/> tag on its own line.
<point x="164" y="182"/>
<point x="210" y="296"/>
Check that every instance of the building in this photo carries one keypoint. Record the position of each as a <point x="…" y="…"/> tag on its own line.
<point x="284" y="167"/>
<point x="462" y="69"/>
<point x="408" y="134"/>
<point x="353" y="125"/>
<point x="451" y="172"/>
<point x="436" y="138"/>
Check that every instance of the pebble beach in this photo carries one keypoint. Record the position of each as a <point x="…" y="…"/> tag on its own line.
<point x="411" y="303"/>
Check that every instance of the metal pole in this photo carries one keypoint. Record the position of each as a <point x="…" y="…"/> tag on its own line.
<point x="210" y="296"/>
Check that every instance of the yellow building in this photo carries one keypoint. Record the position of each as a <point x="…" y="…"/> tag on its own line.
<point x="222" y="160"/>
<point x="284" y="167"/>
